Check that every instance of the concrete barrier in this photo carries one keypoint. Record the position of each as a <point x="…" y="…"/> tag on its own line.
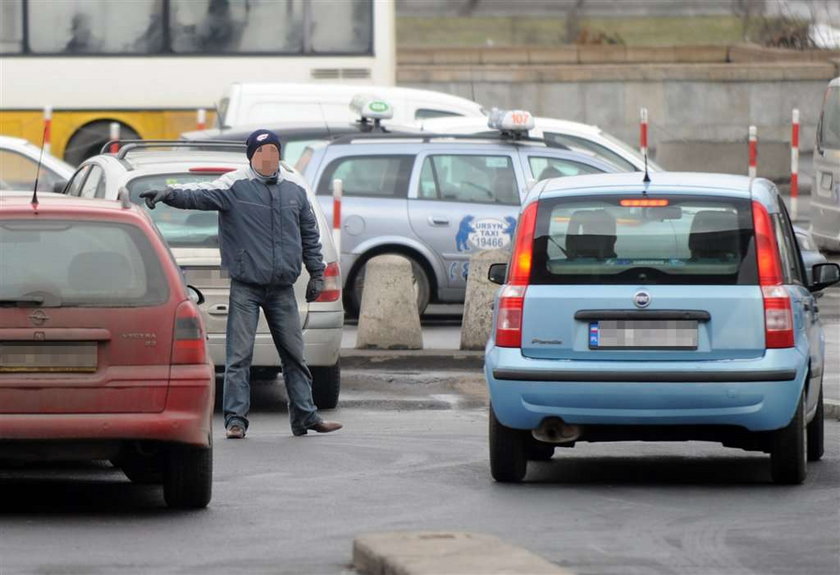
<point x="388" y="318"/>
<point x="452" y="553"/>
<point x="478" y="311"/>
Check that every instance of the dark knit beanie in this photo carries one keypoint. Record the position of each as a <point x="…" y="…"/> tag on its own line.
<point x="260" y="138"/>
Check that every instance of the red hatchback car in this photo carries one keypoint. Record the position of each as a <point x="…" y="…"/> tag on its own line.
<point x="102" y="346"/>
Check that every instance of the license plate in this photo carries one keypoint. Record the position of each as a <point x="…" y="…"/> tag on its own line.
<point x="643" y="334"/>
<point x="74" y="357"/>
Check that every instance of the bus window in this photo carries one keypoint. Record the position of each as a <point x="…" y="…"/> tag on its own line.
<point x="219" y="26"/>
<point x="11" y="27"/>
<point x="95" y="27"/>
<point x="342" y="27"/>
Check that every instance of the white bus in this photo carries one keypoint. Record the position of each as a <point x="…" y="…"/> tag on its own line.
<point x="150" y="64"/>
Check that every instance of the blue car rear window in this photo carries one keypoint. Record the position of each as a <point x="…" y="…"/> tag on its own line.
<point x="631" y="239"/>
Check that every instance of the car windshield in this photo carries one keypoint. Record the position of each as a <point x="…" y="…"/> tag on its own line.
<point x="55" y="263"/>
<point x="633" y="239"/>
<point x="294" y="149"/>
<point x="17" y="172"/>
<point x="831" y="120"/>
<point x="180" y="228"/>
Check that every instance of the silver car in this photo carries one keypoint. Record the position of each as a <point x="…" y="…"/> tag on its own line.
<point x="192" y="236"/>
<point x="433" y="199"/>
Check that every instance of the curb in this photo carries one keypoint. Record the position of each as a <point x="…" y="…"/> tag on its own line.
<point x="452" y="552"/>
<point x="832" y="408"/>
<point x="412" y="359"/>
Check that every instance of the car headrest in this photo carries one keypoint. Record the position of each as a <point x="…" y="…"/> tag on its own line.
<point x="591" y="234"/>
<point x="715" y="234"/>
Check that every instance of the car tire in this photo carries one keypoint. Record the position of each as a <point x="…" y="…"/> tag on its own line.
<point x="508" y="460"/>
<point x="788" y="454"/>
<point x="816" y="433"/>
<point x="188" y="477"/>
<point x="539" y="450"/>
<point x="422" y="287"/>
<point x="326" y="385"/>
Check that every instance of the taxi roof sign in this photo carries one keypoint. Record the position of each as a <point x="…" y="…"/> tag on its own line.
<point x="510" y="120"/>
<point x="370" y="107"/>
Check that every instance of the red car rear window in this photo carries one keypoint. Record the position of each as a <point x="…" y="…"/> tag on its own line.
<point x="70" y="263"/>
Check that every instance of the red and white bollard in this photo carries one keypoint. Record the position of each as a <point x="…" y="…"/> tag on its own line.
<point x="643" y="132"/>
<point x="338" y="190"/>
<point x="794" y="165"/>
<point x="47" y="146"/>
<point x="753" y="169"/>
<point x="201" y="120"/>
<point x="115" y="137"/>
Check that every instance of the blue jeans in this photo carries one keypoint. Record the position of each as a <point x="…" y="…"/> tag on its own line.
<point x="281" y="312"/>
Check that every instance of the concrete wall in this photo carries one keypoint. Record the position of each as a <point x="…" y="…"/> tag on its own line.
<point x="695" y="105"/>
<point x="535" y="8"/>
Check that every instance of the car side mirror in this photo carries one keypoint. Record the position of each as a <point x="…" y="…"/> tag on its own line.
<point x="195" y="295"/>
<point x="824" y="275"/>
<point x="58" y="187"/>
<point x="497" y="272"/>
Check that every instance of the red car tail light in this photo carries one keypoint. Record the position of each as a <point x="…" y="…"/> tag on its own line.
<point x="509" y="316"/>
<point x="778" y="315"/>
<point x="332" y="284"/>
<point x="188" y="341"/>
<point x="512" y="298"/>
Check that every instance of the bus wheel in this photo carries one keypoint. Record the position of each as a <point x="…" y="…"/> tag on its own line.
<point x="88" y="140"/>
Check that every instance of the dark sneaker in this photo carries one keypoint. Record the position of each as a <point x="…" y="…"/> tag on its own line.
<point x="235" y="432"/>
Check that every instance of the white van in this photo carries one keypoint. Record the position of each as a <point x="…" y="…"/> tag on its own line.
<point x="825" y="193"/>
<point x="256" y="103"/>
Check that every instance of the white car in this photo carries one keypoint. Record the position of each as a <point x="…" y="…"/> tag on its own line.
<point x="19" y="166"/>
<point x="192" y="236"/>
<point x="573" y="135"/>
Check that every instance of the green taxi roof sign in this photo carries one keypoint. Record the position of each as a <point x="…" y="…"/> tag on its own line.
<point x="369" y="107"/>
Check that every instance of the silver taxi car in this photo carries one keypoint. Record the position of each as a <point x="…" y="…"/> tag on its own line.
<point x="435" y="199"/>
<point x="192" y="236"/>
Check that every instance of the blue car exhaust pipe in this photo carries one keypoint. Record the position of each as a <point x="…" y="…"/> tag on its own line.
<point x="555" y="430"/>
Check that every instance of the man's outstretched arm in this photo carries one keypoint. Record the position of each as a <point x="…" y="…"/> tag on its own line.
<point x="198" y="196"/>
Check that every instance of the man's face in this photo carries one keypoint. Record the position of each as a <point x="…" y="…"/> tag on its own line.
<point x="266" y="160"/>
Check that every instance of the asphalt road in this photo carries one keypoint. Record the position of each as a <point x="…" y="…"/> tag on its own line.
<point x="293" y="505"/>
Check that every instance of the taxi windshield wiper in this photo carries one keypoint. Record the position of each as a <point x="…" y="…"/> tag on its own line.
<point x="22" y="301"/>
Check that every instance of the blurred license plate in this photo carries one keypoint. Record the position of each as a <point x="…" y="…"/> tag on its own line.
<point x="643" y="334"/>
<point x="47" y="357"/>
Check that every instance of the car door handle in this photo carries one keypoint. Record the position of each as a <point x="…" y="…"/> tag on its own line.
<point x="439" y="220"/>
<point x="218" y="309"/>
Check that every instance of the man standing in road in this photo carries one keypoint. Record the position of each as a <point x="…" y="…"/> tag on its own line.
<point x="266" y="230"/>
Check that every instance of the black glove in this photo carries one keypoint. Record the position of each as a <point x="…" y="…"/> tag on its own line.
<point x="153" y="197"/>
<point x="314" y="288"/>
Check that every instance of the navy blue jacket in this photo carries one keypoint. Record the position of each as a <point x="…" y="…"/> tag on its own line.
<point x="266" y="226"/>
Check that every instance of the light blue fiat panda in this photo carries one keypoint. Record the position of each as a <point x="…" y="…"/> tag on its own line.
<point x="668" y="308"/>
